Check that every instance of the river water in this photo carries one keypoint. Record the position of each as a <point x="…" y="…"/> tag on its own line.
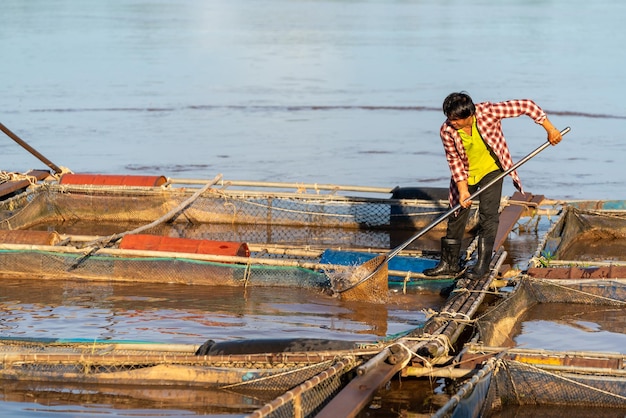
<point x="326" y="91"/>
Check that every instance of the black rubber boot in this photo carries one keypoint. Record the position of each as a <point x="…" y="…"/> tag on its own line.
<point x="485" y="251"/>
<point x="449" y="263"/>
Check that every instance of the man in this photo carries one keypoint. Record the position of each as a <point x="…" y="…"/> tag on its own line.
<point x="477" y="153"/>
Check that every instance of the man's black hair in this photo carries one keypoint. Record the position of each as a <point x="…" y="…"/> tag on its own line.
<point x="458" y="106"/>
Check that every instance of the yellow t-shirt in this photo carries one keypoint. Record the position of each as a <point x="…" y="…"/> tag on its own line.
<point x="481" y="162"/>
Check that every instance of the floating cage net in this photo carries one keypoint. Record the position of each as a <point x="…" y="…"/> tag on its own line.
<point x="284" y="382"/>
<point x="26" y="263"/>
<point x="519" y="383"/>
<point x="560" y="381"/>
<point x="586" y="236"/>
<point x="264" y="218"/>
<point x="254" y="217"/>
<point x="308" y="398"/>
<point x="140" y="204"/>
<point x="497" y="325"/>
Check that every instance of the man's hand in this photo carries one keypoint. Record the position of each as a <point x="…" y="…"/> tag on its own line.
<point x="463" y="194"/>
<point x="554" y="135"/>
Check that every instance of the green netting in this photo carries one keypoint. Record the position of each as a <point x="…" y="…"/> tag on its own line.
<point x="34" y="264"/>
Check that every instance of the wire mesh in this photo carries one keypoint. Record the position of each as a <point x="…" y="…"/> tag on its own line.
<point x="518" y="383"/>
<point x="108" y="363"/>
<point x="308" y="398"/>
<point x="50" y="265"/>
<point x="525" y="383"/>
<point x="122" y="204"/>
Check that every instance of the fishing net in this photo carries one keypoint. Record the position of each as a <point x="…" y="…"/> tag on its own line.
<point x="42" y="264"/>
<point x="317" y="221"/>
<point x="367" y="281"/>
<point x="585" y="236"/>
<point x="542" y="377"/>
<point x="521" y="383"/>
<point x="308" y="398"/>
<point x="290" y="384"/>
<point x="114" y="204"/>
<point x="498" y="324"/>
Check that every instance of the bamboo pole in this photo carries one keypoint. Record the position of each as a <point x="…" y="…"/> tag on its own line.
<point x="287" y="185"/>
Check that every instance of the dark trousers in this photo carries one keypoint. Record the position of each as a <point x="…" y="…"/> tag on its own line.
<point x="488" y="207"/>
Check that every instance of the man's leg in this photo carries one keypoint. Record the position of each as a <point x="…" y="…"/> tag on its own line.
<point x="488" y="218"/>
<point x="451" y="246"/>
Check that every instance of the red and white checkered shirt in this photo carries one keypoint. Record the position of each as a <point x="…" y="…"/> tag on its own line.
<point x="489" y="122"/>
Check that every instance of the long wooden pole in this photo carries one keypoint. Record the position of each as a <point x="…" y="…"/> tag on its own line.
<point x="30" y="149"/>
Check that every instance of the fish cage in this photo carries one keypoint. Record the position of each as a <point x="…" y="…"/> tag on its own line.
<point x="519" y="376"/>
<point x="285" y="382"/>
<point x="116" y="203"/>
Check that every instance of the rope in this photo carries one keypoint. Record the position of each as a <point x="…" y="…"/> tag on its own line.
<point x="521" y="203"/>
<point x="442" y="339"/>
<point x="6" y="176"/>
<point x="424" y="360"/>
<point x="246" y="274"/>
<point x="279" y="375"/>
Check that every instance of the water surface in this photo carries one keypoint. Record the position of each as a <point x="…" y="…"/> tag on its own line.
<point x="326" y="91"/>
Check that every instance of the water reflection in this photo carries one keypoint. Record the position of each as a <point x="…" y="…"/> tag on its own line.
<point x="573" y="327"/>
<point x="71" y="400"/>
<point x="192" y="314"/>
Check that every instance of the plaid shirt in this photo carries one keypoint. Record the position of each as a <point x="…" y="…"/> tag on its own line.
<point x="488" y="120"/>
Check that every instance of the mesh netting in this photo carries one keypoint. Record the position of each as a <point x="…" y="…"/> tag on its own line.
<point x="320" y="221"/>
<point x="497" y="325"/>
<point x="518" y="383"/>
<point x="549" y="378"/>
<point x="368" y="281"/>
<point x="311" y="396"/>
<point x="47" y="264"/>
<point x="157" y="364"/>
<point x="120" y="204"/>
<point x="299" y="383"/>
<point x="584" y="235"/>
